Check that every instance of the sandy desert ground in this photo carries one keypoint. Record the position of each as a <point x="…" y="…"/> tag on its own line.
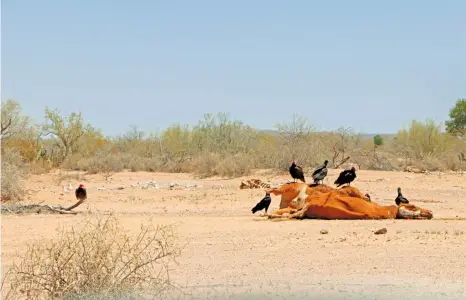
<point x="232" y="253"/>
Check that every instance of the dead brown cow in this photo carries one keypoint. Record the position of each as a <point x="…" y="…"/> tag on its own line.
<point x="345" y="203"/>
<point x="294" y="194"/>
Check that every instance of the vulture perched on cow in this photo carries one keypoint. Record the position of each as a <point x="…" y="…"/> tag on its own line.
<point x="320" y="173"/>
<point x="346" y="177"/>
<point x="400" y="198"/>
<point x="296" y="172"/>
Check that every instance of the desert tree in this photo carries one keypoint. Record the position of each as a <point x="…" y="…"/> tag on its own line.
<point x="13" y="124"/>
<point x="457" y="123"/>
<point x="219" y="133"/>
<point x="378" y="141"/>
<point x="131" y="141"/>
<point x="18" y="147"/>
<point x="91" y="142"/>
<point x="18" y="131"/>
<point x="340" y="145"/>
<point x="176" y="144"/>
<point x="297" y="140"/>
<point x="66" y="131"/>
<point x="298" y="128"/>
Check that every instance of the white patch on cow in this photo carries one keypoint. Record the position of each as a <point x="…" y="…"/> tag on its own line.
<point x="408" y="213"/>
<point x="300" y="200"/>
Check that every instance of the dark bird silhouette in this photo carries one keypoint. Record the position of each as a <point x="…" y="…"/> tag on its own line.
<point x="400" y="199"/>
<point x="263" y="204"/>
<point x="81" y="193"/>
<point x="320" y="173"/>
<point x="346" y="177"/>
<point x="296" y="172"/>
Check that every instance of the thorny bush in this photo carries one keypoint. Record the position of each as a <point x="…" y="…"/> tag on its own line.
<point x="99" y="258"/>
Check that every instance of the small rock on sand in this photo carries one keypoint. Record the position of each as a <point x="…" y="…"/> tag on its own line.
<point x="324" y="231"/>
<point x="381" y="231"/>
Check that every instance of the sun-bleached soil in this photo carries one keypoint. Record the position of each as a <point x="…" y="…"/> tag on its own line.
<point x="232" y="253"/>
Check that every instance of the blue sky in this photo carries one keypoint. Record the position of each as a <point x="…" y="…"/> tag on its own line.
<point x="370" y="65"/>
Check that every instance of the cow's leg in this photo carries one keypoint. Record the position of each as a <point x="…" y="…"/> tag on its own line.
<point x="282" y="211"/>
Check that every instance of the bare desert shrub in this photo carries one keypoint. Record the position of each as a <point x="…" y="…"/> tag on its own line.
<point x="423" y="139"/>
<point x="13" y="173"/>
<point x="296" y="140"/>
<point x="375" y="160"/>
<point x="136" y="163"/>
<point x="101" y="162"/>
<point x="228" y="166"/>
<point x="447" y="161"/>
<point x="234" y="166"/>
<point x="99" y="259"/>
<point x="456" y="158"/>
<point x="423" y="144"/>
<point x="39" y="167"/>
<point x="204" y="166"/>
<point x="340" y="144"/>
<point x="451" y="161"/>
<point x="433" y="163"/>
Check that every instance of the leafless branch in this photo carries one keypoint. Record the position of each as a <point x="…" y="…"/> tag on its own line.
<point x="342" y="162"/>
<point x="5" y="126"/>
<point x="61" y="211"/>
<point x="75" y="205"/>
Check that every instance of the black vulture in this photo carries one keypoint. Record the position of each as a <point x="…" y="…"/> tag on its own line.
<point x="346" y="177"/>
<point x="400" y="199"/>
<point x="263" y="204"/>
<point x="81" y="193"/>
<point x="296" y="172"/>
<point x="320" y="173"/>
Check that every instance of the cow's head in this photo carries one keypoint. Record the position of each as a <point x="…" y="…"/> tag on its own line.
<point x="409" y="211"/>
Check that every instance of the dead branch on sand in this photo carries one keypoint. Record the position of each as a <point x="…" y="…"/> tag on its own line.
<point x="37" y="208"/>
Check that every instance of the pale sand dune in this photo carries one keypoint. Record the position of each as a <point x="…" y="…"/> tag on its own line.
<point x="231" y="252"/>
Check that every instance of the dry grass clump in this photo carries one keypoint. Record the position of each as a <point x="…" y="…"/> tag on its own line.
<point x="213" y="164"/>
<point x="100" y="163"/>
<point x="235" y="166"/>
<point x="136" y="163"/>
<point x="99" y="259"/>
<point x="13" y="173"/>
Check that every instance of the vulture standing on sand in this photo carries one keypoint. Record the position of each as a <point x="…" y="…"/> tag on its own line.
<point x="296" y="172"/>
<point x="263" y="204"/>
<point x="320" y="173"/>
<point x="400" y="199"/>
<point x="347" y="176"/>
<point x="81" y="193"/>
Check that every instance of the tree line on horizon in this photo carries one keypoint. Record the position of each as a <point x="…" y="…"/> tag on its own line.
<point x="219" y="146"/>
